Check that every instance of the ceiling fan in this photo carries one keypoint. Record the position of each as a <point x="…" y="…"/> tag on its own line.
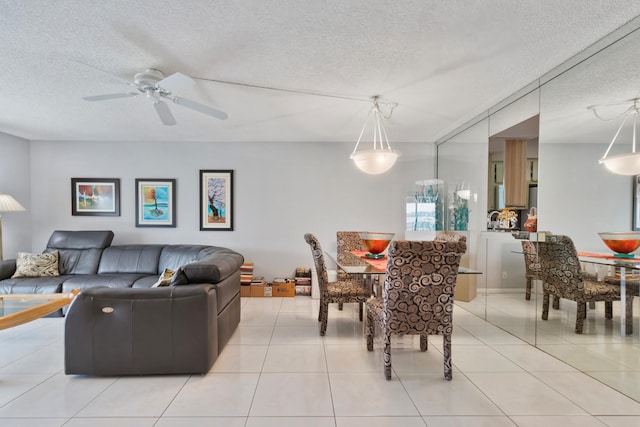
<point x="156" y="87"/>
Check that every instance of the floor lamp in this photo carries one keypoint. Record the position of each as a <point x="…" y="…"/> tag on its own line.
<point x="7" y="204"/>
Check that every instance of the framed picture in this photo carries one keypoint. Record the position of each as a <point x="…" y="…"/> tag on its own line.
<point x="216" y="200"/>
<point x="95" y="196"/>
<point x="636" y="203"/>
<point x="155" y="202"/>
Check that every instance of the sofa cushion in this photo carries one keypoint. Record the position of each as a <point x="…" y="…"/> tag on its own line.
<point x="79" y="251"/>
<point x="33" y="285"/>
<point x="139" y="259"/>
<point x="36" y="265"/>
<point x="123" y="280"/>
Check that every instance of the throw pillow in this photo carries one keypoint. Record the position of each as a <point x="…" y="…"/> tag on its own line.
<point x="180" y="278"/>
<point x="165" y="278"/>
<point x="36" y="265"/>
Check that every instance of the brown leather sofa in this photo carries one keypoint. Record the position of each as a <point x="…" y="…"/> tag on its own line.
<point x="119" y="324"/>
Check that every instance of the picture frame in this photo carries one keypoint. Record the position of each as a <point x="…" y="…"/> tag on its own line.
<point x="155" y="202"/>
<point x="216" y="200"/>
<point x="95" y="196"/>
<point x="635" y="226"/>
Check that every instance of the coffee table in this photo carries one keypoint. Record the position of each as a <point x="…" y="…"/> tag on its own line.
<point x="16" y="309"/>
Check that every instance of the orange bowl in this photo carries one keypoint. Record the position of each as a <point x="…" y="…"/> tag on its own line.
<point x="376" y="243"/>
<point x="621" y="242"/>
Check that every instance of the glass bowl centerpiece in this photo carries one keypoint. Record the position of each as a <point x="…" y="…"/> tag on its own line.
<point x="376" y="243"/>
<point x="621" y="242"/>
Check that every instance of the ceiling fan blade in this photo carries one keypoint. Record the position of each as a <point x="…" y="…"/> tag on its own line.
<point x="109" y="96"/>
<point x="175" y="82"/>
<point x="204" y="109"/>
<point x="164" y="113"/>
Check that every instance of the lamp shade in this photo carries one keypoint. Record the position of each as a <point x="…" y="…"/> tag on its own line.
<point x="375" y="161"/>
<point x="623" y="164"/>
<point x="9" y="204"/>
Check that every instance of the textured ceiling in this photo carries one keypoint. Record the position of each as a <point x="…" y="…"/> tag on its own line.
<point x="442" y="62"/>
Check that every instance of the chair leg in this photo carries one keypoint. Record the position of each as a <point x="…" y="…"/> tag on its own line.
<point x="608" y="310"/>
<point x="581" y="313"/>
<point x="628" y="321"/>
<point x="446" y="344"/>
<point x="556" y="302"/>
<point x="386" y="354"/>
<point x="340" y="306"/>
<point x="527" y="294"/>
<point x="369" y="329"/>
<point x="545" y="306"/>
<point x="360" y="310"/>
<point x="324" y="314"/>
<point x="424" y="343"/>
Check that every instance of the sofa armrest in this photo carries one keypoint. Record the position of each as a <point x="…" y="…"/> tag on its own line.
<point x="132" y="331"/>
<point x="7" y="268"/>
<point x="214" y="268"/>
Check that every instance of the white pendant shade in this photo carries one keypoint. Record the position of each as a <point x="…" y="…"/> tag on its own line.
<point x="627" y="163"/>
<point x="381" y="157"/>
<point x="375" y="161"/>
<point x="623" y="164"/>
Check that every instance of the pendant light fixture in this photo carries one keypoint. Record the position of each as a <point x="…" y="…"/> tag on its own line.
<point x="626" y="163"/>
<point x="381" y="157"/>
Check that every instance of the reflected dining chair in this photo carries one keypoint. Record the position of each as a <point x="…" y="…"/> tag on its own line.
<point x="417" y="297"/>
<point x="532" y="268"/>
<point x="562" y="276"/>
<point x="341" y="291"/>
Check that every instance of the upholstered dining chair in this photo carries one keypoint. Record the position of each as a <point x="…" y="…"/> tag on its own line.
<point x="532" y="268"/>
<point x="347" y="241"/>
<point x="562" y="276"/>
<point x="341" y="291"/>
<point x="418" y="296"/>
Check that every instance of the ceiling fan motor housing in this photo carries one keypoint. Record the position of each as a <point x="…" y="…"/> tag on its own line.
<point x="148" y="78"/>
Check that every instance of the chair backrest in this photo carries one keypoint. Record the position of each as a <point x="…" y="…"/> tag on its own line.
<point x="419" y="287"/>
<point x="318" y="259"/>
<point x="560" y="269"/>
<point x="531" y="262"/>
<point x="447" y="236"/>
<point x="348" y="241"/>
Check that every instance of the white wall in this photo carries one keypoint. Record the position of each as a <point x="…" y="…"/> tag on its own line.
<point x="14" y="180"/>
<point x="281" y="191"/>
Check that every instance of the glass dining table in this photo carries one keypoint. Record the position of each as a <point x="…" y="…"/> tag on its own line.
<point x="370" y="269"/>
<point x="623" y="267"/>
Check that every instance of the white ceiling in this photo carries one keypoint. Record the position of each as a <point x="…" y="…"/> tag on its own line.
<point x="442" y="62"/>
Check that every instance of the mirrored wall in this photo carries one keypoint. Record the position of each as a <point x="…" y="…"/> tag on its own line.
<point x="574" y="195"/>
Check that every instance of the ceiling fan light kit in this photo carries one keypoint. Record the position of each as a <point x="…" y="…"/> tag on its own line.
<point x="156" y="87"/>
<point x="381" y="157"/>
<point x="626" y="163"/>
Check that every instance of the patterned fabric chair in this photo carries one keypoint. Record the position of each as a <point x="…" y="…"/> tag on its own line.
<point x="342" y="291"/>
<point x="532" y="268"/>
<point x="348" y="241"/>
<point x="562" y="277"/>
<point x="417" y="297"/>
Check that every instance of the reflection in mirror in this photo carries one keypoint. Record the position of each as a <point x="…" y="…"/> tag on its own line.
<point x="588" y="199"/>
<point x="576" y="196"/>
<point x="463" y="162"/>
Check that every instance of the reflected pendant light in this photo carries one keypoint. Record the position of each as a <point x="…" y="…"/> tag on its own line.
<point x="626" y="163"/>
<point x="381" y="157"/>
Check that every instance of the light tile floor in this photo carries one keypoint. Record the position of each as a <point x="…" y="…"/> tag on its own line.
<point x="278" y="371"/>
